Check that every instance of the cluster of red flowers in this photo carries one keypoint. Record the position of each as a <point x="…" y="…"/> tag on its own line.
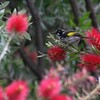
<point x="94" y="36"/>
<point x="50" y="88"/>
<point x="56" y="53"/>
<point x="91" y="61"/>
<point x="18" y="90"/>
<point x="17" y="23"/>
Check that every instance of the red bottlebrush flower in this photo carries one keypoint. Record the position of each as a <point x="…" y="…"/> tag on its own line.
<point x="17" y="23"/>
<point x="49" y="87"/>
<point x="90" y="61"/>
<point x="18" y="90"/>
<point x="61" y="97"/>
<point x="56" y="53"/>
<point x="2" y="94"/>
<point x="94" y="38"/>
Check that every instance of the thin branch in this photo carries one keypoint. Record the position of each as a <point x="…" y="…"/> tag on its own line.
<point x="75" y="10"/>
<point x="31" y="65"/>
<point x="89" y="7"/>
<point x="73" y="80"/>
<point x="39" y="37"/>
<point x="91" y="94"/>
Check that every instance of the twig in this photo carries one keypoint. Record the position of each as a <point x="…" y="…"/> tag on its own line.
<point x="41" y="55"/>
<point x="31" y="65"/>
<point x="75" y="10"/>
<point x="90" y="8"/>
<point x="52" y="37"/>
<point x="92" y="93"/>
<point x="73" y="80"/>
<point x="38" y="30"/>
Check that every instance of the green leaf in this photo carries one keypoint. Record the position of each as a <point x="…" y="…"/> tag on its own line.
<point x="2" y="24"/>
<point x="16" y="40"/>
<point x="15" y="11"/>
<point x="27" y="36"/>
<point x="2" y="13"/>
<point x="72" y="23"/>
<point x="86" y="24"/>
<point x="84" y="17"/>
<point x="3" y="5"/>
<point x="29" y="18"/>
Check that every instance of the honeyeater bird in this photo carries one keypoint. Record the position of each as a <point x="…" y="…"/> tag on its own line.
<point x="70" y="37"/>
<point x="62" y="34"/>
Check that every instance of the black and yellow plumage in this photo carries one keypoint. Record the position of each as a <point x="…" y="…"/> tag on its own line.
<point x="70" y="37"/>
<point x="63" y="34"/>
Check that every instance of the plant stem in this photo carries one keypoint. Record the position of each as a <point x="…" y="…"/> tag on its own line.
<point x="6" y="47"/>
<point x="41" y="55"/>
<point x="91" y="94"/>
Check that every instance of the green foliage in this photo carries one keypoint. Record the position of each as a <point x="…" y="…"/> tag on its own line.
<point x="85" y="21"/>
<point x="27" y="36"/>
<point x="3" y="5"/>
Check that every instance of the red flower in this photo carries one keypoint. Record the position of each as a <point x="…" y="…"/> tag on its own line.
<point x="2" y="94"/>
<point x="90" y="61"/>
<point x="18" y="90"/>
<point x="17" y="23"/>
<point x="56" y="53"/>
<point x="49" y="87"/>
<point x="61" y="97"/>
<point x="94" y="37"/>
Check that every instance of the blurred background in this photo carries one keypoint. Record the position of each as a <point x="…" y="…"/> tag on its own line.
<point x="46" y="16"/>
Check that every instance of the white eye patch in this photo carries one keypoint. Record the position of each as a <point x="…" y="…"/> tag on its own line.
<point x="58" y="34"/>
